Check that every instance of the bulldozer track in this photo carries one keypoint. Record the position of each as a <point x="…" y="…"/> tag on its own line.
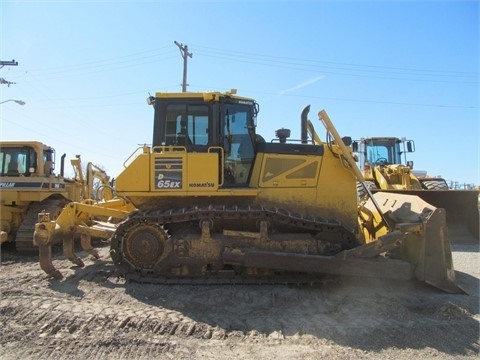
<point x="24" y="235"/>
<point x="330" y="230"/>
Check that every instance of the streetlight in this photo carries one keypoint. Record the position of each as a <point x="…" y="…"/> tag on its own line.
<point x="19" y="102"/>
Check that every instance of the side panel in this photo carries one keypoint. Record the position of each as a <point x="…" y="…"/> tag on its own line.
<point x="202" y="172"/>
<point x="319" y="185"/>
<point x="169" y="171"/>
<point x="287" y="181"/>
<point x="26" y="189"/>
<point x="180" y="172"/>
<point x="136" y="176"/>
<point x="289" y="171"/>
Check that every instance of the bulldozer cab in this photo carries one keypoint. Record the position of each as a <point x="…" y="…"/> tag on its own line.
<point x="22" y="159"/>
<point x="209" y="123"/>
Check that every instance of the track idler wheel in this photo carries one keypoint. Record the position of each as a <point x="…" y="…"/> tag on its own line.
<point x="139" y="247"/>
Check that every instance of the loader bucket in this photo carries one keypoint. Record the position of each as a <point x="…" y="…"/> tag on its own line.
<point x="426" y="247"/>
<point x="462" y="211"/>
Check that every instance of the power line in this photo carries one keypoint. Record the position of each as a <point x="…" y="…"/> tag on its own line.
<point x="328" y="67"/>
<point x="351" y="72"/>
<point x="297" y="61"/>
<point x="102" y="65"/>
<point x="355" y="100"/>
<point x="108" y="61"/>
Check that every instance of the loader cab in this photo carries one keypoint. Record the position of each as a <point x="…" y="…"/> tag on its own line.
<point x="220" y="123"/>
<point x="381" y="151"/>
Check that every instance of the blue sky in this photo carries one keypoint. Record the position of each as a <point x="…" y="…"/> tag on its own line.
<point x="407" y="69"/>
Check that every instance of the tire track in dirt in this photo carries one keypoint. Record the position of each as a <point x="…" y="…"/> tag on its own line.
<point x="47" y="316"/>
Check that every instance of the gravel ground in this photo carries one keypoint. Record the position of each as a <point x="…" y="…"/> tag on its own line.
<point x="93" y="313"/>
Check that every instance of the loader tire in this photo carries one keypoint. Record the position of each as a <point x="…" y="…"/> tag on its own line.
<point x="361" y="193"/>
<point x="435" y="184"/>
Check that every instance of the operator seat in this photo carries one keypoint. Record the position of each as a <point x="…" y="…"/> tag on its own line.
<point x="13" y="168"/>
<point x="48" y="168"/>
<point x="245" y="149"/>
<point x="182" y="137"/>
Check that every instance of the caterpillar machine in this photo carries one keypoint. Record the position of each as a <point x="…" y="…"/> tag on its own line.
<point x="212" y="201"/>
<point x="384" y="165"/>
<point x="28" y="185"/>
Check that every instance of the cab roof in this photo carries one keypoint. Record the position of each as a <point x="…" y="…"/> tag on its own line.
<point x="207" y="96"/>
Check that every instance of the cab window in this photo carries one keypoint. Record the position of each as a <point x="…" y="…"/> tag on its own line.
<point x="238" y="145"/>
<point x="187" y="125"/>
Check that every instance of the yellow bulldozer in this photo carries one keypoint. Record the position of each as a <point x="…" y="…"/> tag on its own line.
<point x="28" y="186"/>
<point x="384" y="165"/>
<point x="212" y="202"/>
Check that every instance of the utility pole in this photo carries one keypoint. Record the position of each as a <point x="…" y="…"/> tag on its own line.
<point x="185" y="55"/>
<point x="9" y="63"/>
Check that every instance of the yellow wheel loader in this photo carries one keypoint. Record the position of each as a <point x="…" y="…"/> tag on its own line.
<point x="386" y="168"/>
<point x="212" y="202"/>
<point x="28" y="186"/>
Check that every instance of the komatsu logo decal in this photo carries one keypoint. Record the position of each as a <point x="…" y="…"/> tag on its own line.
<point x="168" y="173"/>
<point x="202" y="185"/>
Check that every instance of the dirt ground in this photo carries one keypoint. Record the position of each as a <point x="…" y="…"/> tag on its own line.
<point x="94" y="314"/>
